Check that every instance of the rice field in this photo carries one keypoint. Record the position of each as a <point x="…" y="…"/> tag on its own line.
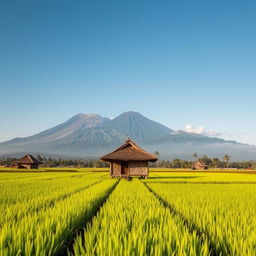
<point x="87" y="213"/>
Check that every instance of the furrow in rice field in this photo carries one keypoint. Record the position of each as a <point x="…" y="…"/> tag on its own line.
<point x="226" y="213"/>
<point x="69" y="246"/>
<point x="49" y="232"/>
<point x="22" y="191"/>
<point x="191" y="226"/>
<point x="17" y="211"/>
<point x="134" y="222"/>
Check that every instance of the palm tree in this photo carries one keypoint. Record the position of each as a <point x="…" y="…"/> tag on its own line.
<point x="157" y="153"/>
<point x="195" y="156"/>
<point x="226" y="158"/>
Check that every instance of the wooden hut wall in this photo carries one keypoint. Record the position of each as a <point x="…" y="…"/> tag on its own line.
<point x="116" y="168"/>
<point x="138" y="168"/>
<point x="25" y="166"/>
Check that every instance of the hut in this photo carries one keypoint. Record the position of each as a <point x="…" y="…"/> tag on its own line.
<point x="129" y="160"/>
<point x="199" y="165"/>
<point x="26" y="162"/>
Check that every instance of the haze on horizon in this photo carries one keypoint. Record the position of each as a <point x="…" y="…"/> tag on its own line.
<point x="187" y="65"/>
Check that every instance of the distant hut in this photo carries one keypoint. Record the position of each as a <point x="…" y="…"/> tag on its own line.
<point x="129" y="160"/>
<point x="199" y="165"/>
<point x="26" y="162"/>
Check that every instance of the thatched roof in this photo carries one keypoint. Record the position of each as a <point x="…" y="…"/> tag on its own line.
<point x="27" y="159"/>
<point x="129" y="151"/>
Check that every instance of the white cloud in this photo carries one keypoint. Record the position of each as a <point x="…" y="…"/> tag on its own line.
<point x="201" y="130"/>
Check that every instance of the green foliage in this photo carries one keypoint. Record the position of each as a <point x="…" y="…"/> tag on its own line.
<point x="133" y="222"/>
<point x="47" y="230"/>
<point x="61" y="162"/>
<point x="226" y="213"/>
<point x="28" y="193"/>
<point x="186" y="214"/>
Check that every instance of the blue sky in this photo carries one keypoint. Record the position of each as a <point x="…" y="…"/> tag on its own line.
<point x="176" y="62"/>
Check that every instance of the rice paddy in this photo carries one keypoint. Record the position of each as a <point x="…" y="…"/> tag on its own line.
<point x="87" y="213"/>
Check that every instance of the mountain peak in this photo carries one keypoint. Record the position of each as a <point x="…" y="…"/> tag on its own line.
<point x="131" y="113"/>
<point x="138" y="127"/>
<point x="87" y="120"/>
<point x="81" y="115"/>
<point x="78" y="116"/>
<point x="92" y="115"/>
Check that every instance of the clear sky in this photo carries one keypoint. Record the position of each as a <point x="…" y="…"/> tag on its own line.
<point x="182" y="63"/>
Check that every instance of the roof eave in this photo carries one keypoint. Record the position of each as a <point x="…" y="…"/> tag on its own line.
<point x="128" y="160"/>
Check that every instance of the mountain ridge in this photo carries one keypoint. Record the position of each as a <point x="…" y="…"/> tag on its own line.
<point x="93" y="135"/>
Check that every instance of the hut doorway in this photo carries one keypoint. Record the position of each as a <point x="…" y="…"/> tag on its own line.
<point x="124" y="168"/>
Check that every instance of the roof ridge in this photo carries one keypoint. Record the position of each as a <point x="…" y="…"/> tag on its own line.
<point x="30" y="157"/>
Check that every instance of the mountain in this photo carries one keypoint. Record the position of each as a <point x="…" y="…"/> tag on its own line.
<point x="91" y="135"/>
<point x="77" y="122"/>
<point x="133" y="124"/>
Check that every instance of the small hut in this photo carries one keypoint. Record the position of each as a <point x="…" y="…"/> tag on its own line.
<point x="129" y="160"/>
<point x="26" y="162"/>
<point x="199" y="165"/>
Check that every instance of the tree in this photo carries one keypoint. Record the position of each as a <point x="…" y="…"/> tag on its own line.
<point x="39" y="157"/>
<point x="195" y="156"/>
<point x="205" y="159"/>
<point x="216" y="162"/>
<point x="176" y="163"/>
<point x="157" y="153"/>
<point x="226" y="158"/>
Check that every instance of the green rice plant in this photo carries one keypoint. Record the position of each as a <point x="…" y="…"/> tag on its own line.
<point x="10" y="176"/>
<point x="21" y="190"/>
<point x="48" y="197"/>
<point x="134" y="222"/>
<point x="226" y="212"/>
<point x="49" y="231"/>
<point x="194" y="177"/>
<point x="209" y="213"/>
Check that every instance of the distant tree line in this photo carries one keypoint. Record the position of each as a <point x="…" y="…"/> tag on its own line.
<point x="176" y="163"/>
<point x="211" y="162"/>
<point x="61" y="162"/>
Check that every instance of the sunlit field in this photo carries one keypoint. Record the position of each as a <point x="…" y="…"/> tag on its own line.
<point x="85" y="212"/>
